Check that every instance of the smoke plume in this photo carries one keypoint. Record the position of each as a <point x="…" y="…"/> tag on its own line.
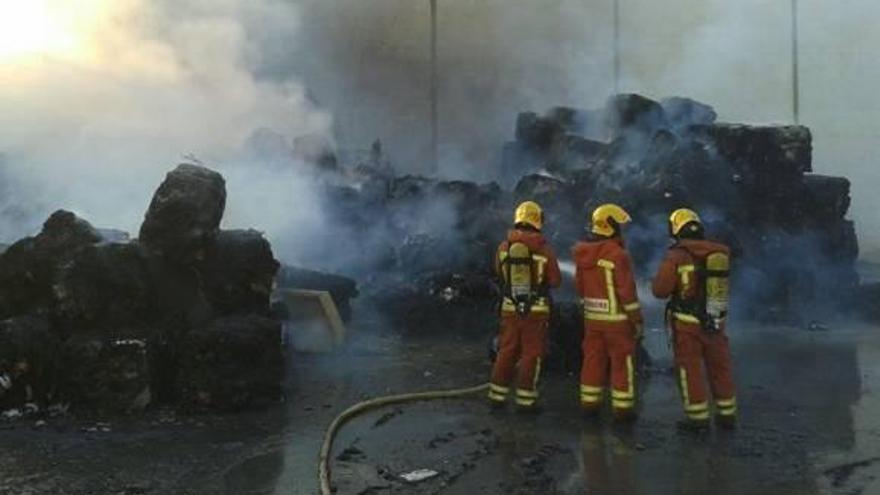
<point x="366" y="61"/>
<point x="93" y="120"/>
<point x="94" y="124"/>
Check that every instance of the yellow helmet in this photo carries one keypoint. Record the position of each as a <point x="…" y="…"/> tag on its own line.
<point x="604" y="215"/>
<point x="681" y="217"/>
<point x="529" y="213"/>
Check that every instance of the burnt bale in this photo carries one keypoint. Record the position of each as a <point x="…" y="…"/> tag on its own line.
<point x="105" y="374"/>
<point x="238" y="272"/>
<point x="409" y="187"/>
<point x="572" y="120"/>
<point x="826" y="200"/>
<point x="468" y="196"/>
<point x="768" y="156"/>
<point x="437" y="302"/>
<point x="684" y="112"/>
<point x="555" y="141"/>
<point x="64" y="231"/>
<point x="342" y="289"/>
<point x="373" y="183"/>
<point x="28" y="358"/>
<point x="181" y="299"/>
<point x="632" y="113"/>
<point x="447" y="226"/>
<point x="231" y="364"/>
<point x="867" y="302"/>
<point x="544" y="189"/>
<point x="536" y="132"/>
<point x="104" y="287"/>
<point x="750" y="183"/>
<point x="574" y="152"/>
<point x="477" y="207"/>
<point x="517" y="160"/>
<point x="435" y="225"/>
<point x="184" y="216"/>
<point x="841" y="244"/>
<point x="664" y="173"/>
<point x="29" y="267"/>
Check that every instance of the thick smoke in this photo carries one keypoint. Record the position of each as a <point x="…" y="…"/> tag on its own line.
<point x="94" y="126"/>
<point x="366" y="61"/>
<point x="156" y="80"/>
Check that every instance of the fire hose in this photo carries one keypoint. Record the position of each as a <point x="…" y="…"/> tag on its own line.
<point x="361" y="407"/>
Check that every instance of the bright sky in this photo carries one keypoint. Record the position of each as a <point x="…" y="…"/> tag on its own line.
<point x="53" y="28"/>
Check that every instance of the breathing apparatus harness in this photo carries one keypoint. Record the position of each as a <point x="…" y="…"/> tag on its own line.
<point x="709" y="305"/>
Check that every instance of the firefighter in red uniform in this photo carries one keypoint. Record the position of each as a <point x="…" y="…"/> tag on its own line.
<point x="612" y="316"/>
<point x="694" y="276"/>
<point x="528" y="268"/>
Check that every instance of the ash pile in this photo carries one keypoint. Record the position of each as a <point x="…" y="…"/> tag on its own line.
<point x="179" y="316"/>
<point x="431" y="242"/>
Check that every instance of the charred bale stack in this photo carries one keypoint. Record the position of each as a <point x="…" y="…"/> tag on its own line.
<point x="180" y="315"/>
<point x="419" y="247"/>
<point x="753" y="185"/>
<point x="440" y="253"/>
<point x="562" y="139"/>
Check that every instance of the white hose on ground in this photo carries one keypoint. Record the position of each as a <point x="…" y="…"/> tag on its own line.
<point x="360" y="407"/>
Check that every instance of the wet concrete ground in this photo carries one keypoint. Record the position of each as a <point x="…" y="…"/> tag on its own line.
<point x="809" y="424"/>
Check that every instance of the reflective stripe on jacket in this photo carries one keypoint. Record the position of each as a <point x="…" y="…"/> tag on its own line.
<point x="605" y="281"/>
<point x="678" y="275"/>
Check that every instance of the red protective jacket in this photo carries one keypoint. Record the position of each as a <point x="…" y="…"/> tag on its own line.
<point x="604" y="279"/>
<point x="677" y="274"/>
<point x="545" y="265"/>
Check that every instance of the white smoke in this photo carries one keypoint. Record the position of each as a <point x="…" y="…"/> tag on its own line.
<point x="94" y="125"/>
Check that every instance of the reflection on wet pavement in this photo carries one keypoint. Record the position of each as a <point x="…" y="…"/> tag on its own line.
<point x="808" y="425"/>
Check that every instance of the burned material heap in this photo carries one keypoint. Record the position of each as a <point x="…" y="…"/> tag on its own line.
<point x="180" y="315"/>
<point x="753" y="185"/>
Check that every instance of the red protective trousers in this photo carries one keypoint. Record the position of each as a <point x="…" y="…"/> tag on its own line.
<point x="520" y="342"/>
<point x="608" y="347"/>
<point x="694" y="349"/>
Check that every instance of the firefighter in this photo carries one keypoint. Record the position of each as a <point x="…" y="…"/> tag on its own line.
<point x="694" y="277"/>
<point x="612" y="315"/>
<point x="527" y="268"/>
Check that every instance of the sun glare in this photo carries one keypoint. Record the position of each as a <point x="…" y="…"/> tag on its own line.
<point x="30" y="28"/>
